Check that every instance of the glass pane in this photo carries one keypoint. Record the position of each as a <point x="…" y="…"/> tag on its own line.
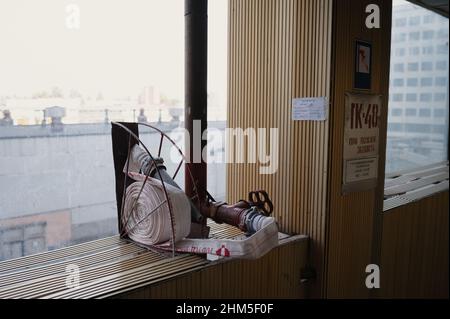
<point x="67" y="70"/>
<point x="217" y="96"/>
<point x="418" y="121"/>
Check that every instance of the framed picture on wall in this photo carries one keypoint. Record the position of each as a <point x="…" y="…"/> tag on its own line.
<point x="363" y="65"/>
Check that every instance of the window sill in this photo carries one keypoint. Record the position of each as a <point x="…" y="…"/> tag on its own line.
<point x="108" y="267"/>
<point x="413" y="185"/>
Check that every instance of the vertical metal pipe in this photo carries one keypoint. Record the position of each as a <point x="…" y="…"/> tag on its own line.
<point x="196" y="45"/>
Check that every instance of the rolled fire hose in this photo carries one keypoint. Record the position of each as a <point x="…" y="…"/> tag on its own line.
<point x="148" y="221"/>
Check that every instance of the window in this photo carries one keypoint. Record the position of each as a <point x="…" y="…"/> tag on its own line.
<point x="395" y="127"/>
<point x="414" y="51"/>
<point x="418" y="128"/>
<point x="424" y="112"/>
<point x="440" y="113"/>
<point x="426" y="81"/>
<point x="399" y="82"/>
<point x="441" y="81"/>
<point x="397" y="97"/>
<point x="441" y="65"/>
<point x="442" y="48"/>
<point x="413" y="66"/>
<point x="411" y="97"/>
<point x="428" y="19"/>
<point x="400" y="37"/>
<point x="427" y="50"/>
<point x="62" y="83"/>
<point x="400" y="22"/>
<point x="427" y="35"/>
<point x="399" y="67"/>
<point x="425" y="97"/>
<point x="420" y="136"/>
<point x="440" y="97"/>
<point x="414" y="20"/>
<point x="217" y="94"/>
<point x="427" y="66"/>
<point x="412" y="82"/>
<point x="400" y="52"/>
<point x="442" y="33"/>
<point x="414" y="36"/>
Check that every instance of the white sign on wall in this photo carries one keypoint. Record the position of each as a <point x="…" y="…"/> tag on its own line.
<point x="310" y="109"/>
<point x="361" y="141"/>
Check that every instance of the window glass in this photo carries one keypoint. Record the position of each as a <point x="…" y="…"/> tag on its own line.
<point x="400" y="22"/>
<point x="397" y="112"/>
<point x="427" y="66"/>
<point x="411" y="82"/>
<point x="420" y="137"/>
<point x="439" y="112"/>
<point x="414" y="20"/>
<point x="414" y="51"/>
<point x="426" y="81"/>
<point x="399" y="67"/>
<point x="424" y="112"/>
<point x="427" y="35"/>
<point x="425" y="97"/>
<point x="427" y="50"/>
<point x="441" y="81"/>
<point x="413" y="66"/>
<point x="399" y="82"/>
<point x="440" y="97"/>
<point x="67" y="69"/>
<point x="217" y="96"/>
<point x="400" y="52"/>
<point x="441" y="65"/>
<point x="411" y="97"/>
<point x="398" y="97"/>
<point x="414" y="36"/>
<point x="399" y="37"/>
<point x="411" y="112"/>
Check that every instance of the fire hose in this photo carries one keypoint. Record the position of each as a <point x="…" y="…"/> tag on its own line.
<point x="146" y="218"/>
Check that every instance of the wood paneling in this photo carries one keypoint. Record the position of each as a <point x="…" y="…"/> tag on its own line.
<point x="283" y="49"/>
<point x="414" y="254"/>
<point x="279" y="50"/>
<point x="276" y="275"/>
<point x="354" y="219"/>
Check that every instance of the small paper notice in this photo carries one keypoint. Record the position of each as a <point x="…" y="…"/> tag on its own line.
<point x="310" y="109"/>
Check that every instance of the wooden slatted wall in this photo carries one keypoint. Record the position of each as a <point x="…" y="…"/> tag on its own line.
<point x="268" y="277"/>
<point x="354" y="219"/>
<point x="279" y="50"/>
<point x="414" y="255"/>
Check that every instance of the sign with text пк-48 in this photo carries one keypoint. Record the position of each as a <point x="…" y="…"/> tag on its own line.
<point x="361" y="141"/>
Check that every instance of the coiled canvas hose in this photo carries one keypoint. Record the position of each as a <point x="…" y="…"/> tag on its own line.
<point x="147" y="220"/>
<point x="146" y="217"/>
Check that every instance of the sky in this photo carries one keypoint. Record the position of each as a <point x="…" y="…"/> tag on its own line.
<point x="120" y="47"/>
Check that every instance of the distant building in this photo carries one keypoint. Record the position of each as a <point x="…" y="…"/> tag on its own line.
<point x="7" y="119"/>
<point x="418" y="99"/>
<point x="149" y="96"/>
<point x="142" y="118"/>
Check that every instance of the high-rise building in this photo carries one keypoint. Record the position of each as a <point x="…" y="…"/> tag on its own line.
<point x="418" y="99"/>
